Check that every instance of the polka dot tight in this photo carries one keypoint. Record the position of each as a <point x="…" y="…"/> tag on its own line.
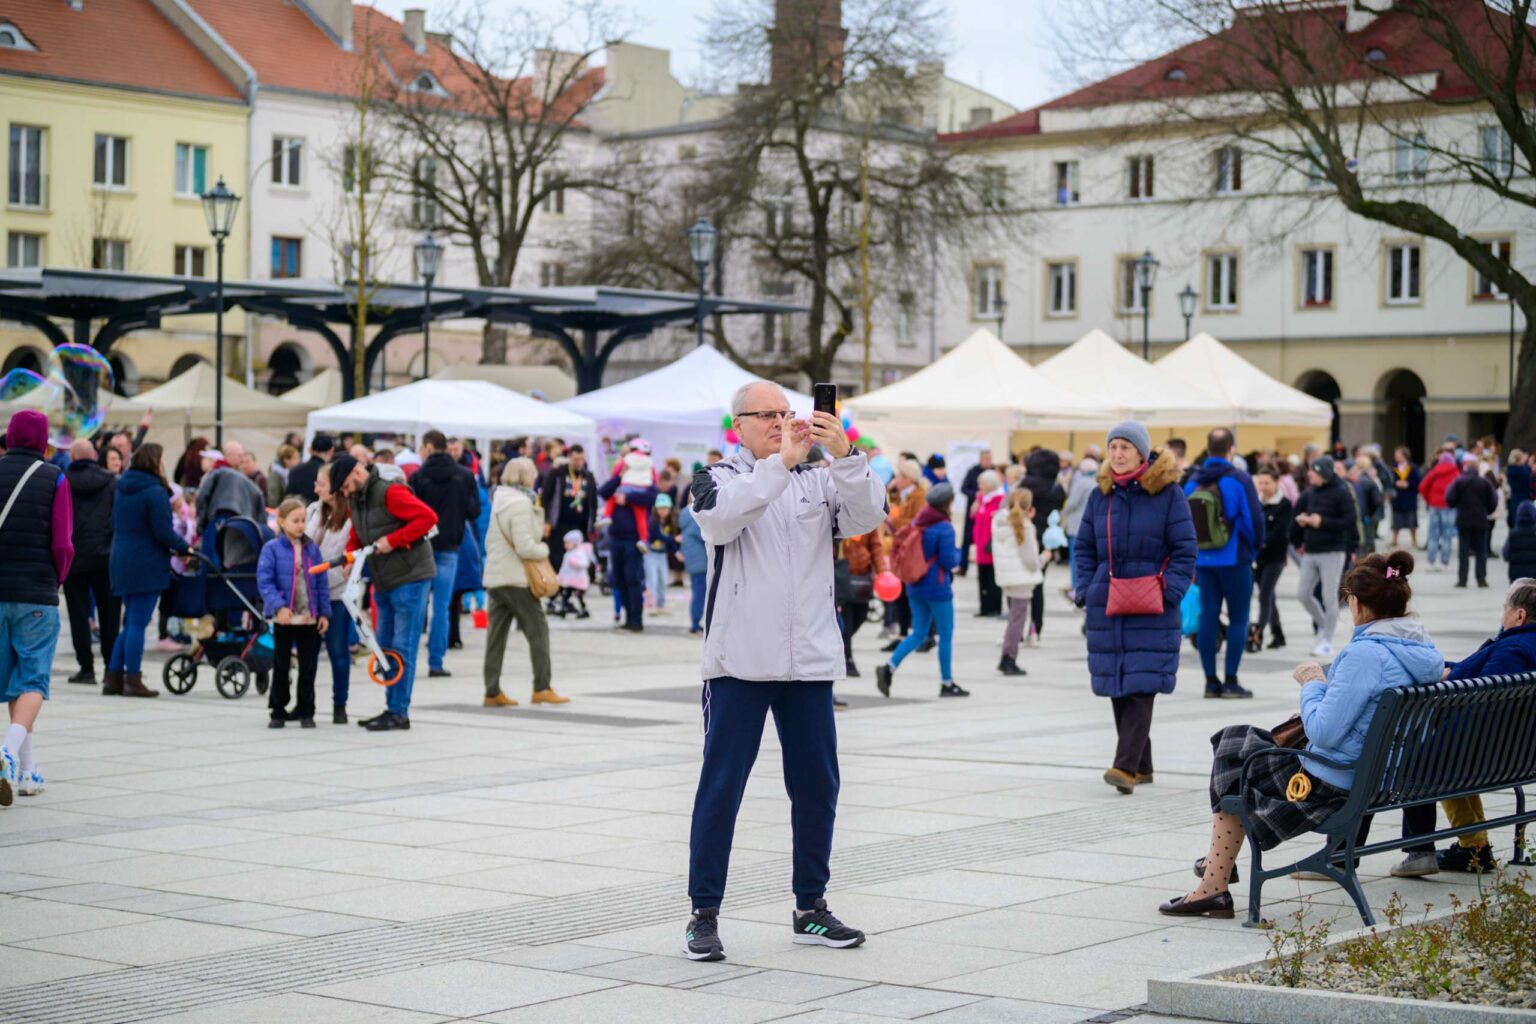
<point x="1226" y="841"/>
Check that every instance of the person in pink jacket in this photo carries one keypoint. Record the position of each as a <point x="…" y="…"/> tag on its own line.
<point x="989" y="498"/>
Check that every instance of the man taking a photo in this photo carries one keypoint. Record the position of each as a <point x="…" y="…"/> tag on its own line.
<point x="772" y="642"/>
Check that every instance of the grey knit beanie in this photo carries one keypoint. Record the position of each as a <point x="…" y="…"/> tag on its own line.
<point x="940" y="494"/>
<point x="1133" y="432"/>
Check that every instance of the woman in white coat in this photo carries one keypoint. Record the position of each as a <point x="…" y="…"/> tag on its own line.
<point x="514" y="536"/>
<point x="1019" y="566"/>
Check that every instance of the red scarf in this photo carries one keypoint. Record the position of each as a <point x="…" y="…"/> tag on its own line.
<point x="1125" y="479"/>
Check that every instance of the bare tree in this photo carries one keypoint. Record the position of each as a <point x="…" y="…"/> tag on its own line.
<point x="1303" y="86"/>
<point x="485" y="139"/>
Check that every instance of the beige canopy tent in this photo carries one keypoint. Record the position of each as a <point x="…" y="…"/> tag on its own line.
<point x="1273" y="414"/>
<point x="1127" y="387"/>
<point x="321" y="390"/>
<point x="550" y="383"/>
<point x="976" y="396"/>
<point x="191" y="397"/>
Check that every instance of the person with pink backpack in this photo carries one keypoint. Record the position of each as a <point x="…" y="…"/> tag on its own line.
<point x="932" y="594"/>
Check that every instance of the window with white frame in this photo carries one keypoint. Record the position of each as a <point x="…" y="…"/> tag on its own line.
<point x="554" y="199"/>
<point x="424" y="198"/>
<point x="1403" y="263"/>
<point x="1410" y="158"/>
<point x="776" y="222"/>
<point x="906" y="315"/>
<point x="1317" y="177"/>
<point x="111" y="162"/>
<point x="287" y="161"/>
<point x="191" y="169"/>
<point x="1229" y="169"/>
<point x="778" y="329"/>
<point x="349" y="264"/>
<point x="12" y="38"/>
<point x="1484" y="289"/>
<point x="1129" y="297"/>
<point x="986" y="289"/>
<point x="1061" y="288"/>
<point x="994" y="187"/>
<point x="357" y="164"/>
<point x="1064" y="175"/>
<point x="24" y="182"/>
<point x="1140" y="168"/>
<point x="1498" y="151"/>
<point x="1221" y="281"/>
<point x="23" y="249"/>
<point x="1316" y="278"/>
<point x="109" y="254"/>
<point x="287" y="257"/>
<point x="551" y="275"/>
<point x="191" y="261"/>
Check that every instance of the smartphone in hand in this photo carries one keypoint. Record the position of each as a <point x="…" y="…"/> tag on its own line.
<point x="824" y="398"/>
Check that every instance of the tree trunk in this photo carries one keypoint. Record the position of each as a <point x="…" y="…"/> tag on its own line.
<point x="1521" y="431"/>
<point x="493" y="345"/>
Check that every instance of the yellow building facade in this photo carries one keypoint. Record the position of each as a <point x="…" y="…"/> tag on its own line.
<point x="109" y="178"/>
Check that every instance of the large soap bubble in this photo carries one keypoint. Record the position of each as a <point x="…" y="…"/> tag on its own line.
<point x="85" y="380"/>
<point x="18" y="383"/>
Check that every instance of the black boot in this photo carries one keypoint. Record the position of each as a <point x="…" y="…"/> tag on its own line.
<point x="1277" y="639"/>
<point x="1213" y="687"/>
<point x="339" y="714"/>
<point x="1008" y="667"/>
<point x="1231" y="689"/>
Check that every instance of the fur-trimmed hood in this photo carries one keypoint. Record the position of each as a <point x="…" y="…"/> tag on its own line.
<point x="1163" y="471"/>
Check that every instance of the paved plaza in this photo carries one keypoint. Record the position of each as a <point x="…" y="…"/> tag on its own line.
<point x="529" y="865"/>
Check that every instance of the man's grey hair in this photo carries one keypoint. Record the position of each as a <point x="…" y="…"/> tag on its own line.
<point x="1522" y="594"/>
<point x="739" y="399"/>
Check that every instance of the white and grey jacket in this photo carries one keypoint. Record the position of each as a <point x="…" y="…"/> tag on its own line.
<point x="769" y="533"/>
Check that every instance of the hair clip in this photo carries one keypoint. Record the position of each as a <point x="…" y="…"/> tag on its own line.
<point x="1391" y="572"/>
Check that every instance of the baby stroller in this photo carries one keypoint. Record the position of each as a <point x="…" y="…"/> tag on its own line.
<point x="237" y="639"/>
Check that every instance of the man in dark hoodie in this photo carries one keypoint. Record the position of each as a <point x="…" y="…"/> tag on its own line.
<point x="1229" y="530"/>
<point x="92" y="491"/>
<point x="449" y="490"/>
<point x="1041" y="470"/>
<point x="36" y="528"/>
<point x="301" y="478"/>
<point x="1323" y="531"/>
<point x="1474" y="500"/>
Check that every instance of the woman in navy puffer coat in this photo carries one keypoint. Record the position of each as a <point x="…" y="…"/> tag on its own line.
<point x="143" y="541"/>
<point x="1133" y="658"/>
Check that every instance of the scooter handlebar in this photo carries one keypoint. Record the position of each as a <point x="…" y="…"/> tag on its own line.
<point x="325" y="567"/>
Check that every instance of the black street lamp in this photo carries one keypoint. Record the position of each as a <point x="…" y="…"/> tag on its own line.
<point x="219" y="206"/>
<point x="1146" y="275"/>
<point x="1002" y="311"/>
<point x="429" y="255"/>
<point x="1187" y="299"/>
<point x="701" y="246"/>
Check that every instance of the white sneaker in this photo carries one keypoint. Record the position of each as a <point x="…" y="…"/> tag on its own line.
<point x="7" y="777"/>
<point x="30" y="784"/>
<point x="1322" y="649"/>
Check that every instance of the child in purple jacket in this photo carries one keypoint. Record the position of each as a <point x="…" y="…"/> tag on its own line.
<point x="300" y="606"/>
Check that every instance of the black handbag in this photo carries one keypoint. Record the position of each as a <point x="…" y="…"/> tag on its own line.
<point x="848" y="588"/>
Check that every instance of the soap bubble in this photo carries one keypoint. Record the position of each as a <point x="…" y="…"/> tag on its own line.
<point x="85" y="380"/>
<point x="19" y="382"/>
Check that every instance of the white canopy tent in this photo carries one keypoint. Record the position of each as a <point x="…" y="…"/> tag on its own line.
<point x="679" y="409"/>
<point x="1126" y="387"/>
<point x="471" y="409"/>
<point x="549" y="383"/>
<point x="974" y="397"/>
<point x="1251" y="395"/>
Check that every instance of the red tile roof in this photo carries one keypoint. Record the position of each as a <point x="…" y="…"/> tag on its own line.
<point x="288" y="50"/>
<point x="124" y="43"/>
<point x="1401" y="36"/>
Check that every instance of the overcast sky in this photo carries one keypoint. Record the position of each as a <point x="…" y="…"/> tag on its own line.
<point x="996" y="45"/>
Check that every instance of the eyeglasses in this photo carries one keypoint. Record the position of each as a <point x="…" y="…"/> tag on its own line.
<point x="772" y="414"/>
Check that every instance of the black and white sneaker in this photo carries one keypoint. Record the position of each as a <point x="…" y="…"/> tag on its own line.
<point x="702" y="941"/>
<point x="820" y="928"/>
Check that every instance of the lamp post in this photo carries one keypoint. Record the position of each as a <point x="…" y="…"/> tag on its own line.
<point x="219" y="206"/>
<point x="429" y="255"/>
<point x="1146" y="275"/>
<point x="701" y="246"/>
<point x="1187" y="299"/>
<point x="1002" y="311"/>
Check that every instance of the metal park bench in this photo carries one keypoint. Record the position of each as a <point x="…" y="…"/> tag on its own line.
<point x="1425" y="743"/>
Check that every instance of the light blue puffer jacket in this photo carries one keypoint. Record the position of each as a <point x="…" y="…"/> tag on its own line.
<point x="1337" y="715"/>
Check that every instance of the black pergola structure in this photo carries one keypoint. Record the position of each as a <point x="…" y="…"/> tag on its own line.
<point x="103" y="305"/>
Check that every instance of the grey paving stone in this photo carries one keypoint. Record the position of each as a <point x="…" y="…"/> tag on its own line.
<point x="643" y="1004"/>
<point x="1018" y="1011"/>
<point x="558" y="957"/>
<point x="297" y="1006"/>
<point x="895" y="1001"/>
<point x="469" y="988"/>
<point x="783" y="986"/>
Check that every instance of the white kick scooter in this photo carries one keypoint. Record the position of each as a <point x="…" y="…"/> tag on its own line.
<point x="385" y="667"/>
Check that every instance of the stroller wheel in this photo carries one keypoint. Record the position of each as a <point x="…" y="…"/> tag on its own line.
<point x="233" y="677"/>
<point x="390" y="672"/>
<point x="180" y="673"/>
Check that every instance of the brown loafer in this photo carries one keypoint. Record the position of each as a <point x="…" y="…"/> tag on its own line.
<point x="1217" y="906"/>
<point x="1125" y="782"/>
<point x="501" y="700"/>
<point x="549" y="697"/>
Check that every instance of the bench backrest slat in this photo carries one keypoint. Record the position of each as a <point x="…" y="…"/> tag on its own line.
<point x="1427" y="742"/>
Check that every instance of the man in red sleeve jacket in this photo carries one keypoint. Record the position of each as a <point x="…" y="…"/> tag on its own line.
<point x="391" y="517"/>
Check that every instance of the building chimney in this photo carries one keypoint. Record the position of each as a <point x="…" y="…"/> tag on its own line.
<point x="335" y="16"/>
<point x="416" y="28"/>
<point x="806" y="39"/>
<point x="553" y="67"/>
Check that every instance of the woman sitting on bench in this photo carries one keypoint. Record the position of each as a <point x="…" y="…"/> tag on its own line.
<point x="1387" y="649"/>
